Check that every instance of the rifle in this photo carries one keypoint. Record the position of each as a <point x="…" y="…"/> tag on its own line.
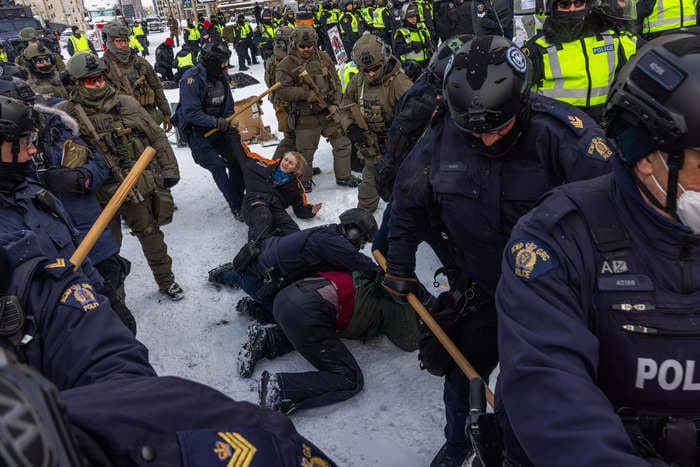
<point x="332" y="109"/>
<point x="108" y="154"/>
<point x="370" y="150"/>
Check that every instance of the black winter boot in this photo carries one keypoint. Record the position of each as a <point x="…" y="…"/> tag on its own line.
<point x="450" y="456"/>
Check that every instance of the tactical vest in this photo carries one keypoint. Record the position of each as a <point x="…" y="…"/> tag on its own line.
<point x="80" y="44"/>
<point x="565" y="78"/>
<point x="192" y="34"/>
<point x="419" y="36"/>
<point x="51" y="86"/>
<point x="670" y="14"/>
<point x="214" y="98"/>
<point x="345" y="72"/>
<point x="135" y="74"/>
<point x="649" y="337"/>
<point x="125" y="142"/>
<point x="185" y="61"/>
<point x="138" y="30"/>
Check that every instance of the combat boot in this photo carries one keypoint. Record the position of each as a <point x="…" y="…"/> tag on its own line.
<point x="351" y="181"/>
<point x="256" y="347"/>
<point x="216" y="275"/>
<point x="452" y="456"/>
<point x="248" y="307"/>
<point x="174" y="292"/>
<point x="269" y="391"/>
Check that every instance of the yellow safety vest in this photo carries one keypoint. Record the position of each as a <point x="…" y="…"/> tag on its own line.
<point x="80" y="44"/>
<point x="3" y="56"/>
<point x="421" y="7"/>
<point x="220" y="28"/>
<point x="266" y="32"/>
<point x="134" y="43"/>
<point x="415" y="36"/>
<point x="567" y="69"/>
<point x="367" y="15"/>
<point x="334" y="15"/>
<point x="185" y="61"/>
<point x="354" y="24"/>
<point x="670" y="14"/>
<point x="138" y="30"/>
<point x="246" y="30"/>
<point x="378" y="18"/>
<point x="192" y="34"/>
<point x="345" y="72"/>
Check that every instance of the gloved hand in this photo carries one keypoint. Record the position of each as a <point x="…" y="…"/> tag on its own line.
<point x="169" y="182"/>
<point x="356" y="135"/>
<point x="399" y="286"/>
<point x="222" y="124"/>
<point x="67" y="180"/>
<point x="234" y="124"/>
<point x="167" y="126"/>
<point x="312" y="97"/>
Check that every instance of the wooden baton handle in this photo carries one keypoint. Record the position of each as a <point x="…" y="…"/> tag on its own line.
<point x="244" y="108"/>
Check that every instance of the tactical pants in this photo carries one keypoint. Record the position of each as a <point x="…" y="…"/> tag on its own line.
<point x="308" y="321"/>
<point x="265" y="220"/>
<point x="143" y="40"/>
<point x="308" y="131"/>
<point x="250" y="45"/>
<point x="175" y="37"/>
<point x="218" y="155"/>
<point x="166" y="73"/>
<point x="140" y="220"/>
<point x="242" y="52"/>
<point x="288" y="143"/>
<point x="367" y="196"/>
<point x="251" y="284"/>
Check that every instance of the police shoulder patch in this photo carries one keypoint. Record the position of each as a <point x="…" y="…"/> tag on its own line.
<point x="572" y="121"/>
<point x="80" y="296"/>
<point x="190" y="80"/>
<point x="530" y="259"/>
<point x="599" y="149"/>
<point x="57" y="267"/>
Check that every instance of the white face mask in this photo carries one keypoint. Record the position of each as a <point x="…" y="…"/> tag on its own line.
<point x="687" y="204"/>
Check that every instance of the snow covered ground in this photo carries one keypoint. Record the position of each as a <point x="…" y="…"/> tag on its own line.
<point x="396" y="421"/>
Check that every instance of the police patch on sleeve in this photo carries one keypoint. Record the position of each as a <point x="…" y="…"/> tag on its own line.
<point x="599" y="149"/>
<point x="80" y="296"/>
<point x="529" y="259"/>
<point x="517" y="59"/>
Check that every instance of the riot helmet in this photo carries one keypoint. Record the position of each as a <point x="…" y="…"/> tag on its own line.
<point x="652" y="105"/>
<point x="40" y="58"/>
<point x="408" y="10"/>
<point x="487" y="87"/>
<point x="358" y="226"/>
<point x="17" y="121"/>
<point x="441" y="57"/>
<point x="17" y="89"/>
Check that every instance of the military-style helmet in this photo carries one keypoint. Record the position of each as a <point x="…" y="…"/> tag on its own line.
<point x="35" y="50"/>
<point x="369" y="52"/>
<point x="304" y="35"/>
<point x="653" y="102"/>
<point x="359" y="226"/>
<point x="408" y="10"/>
<point x="17" y="89"/>
<point x="29" y="34"/>
<point x="487" y="82"/>
<point x="16" y="119"/>
<point x="116" y="29"/>
<point x="438" y="62"/>
<point x="216" y="51"/>
<point x="85" y="65"/>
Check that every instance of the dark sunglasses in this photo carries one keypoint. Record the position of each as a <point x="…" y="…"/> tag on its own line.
<point x="42" y="60"/>
<point x="566" y="4"/>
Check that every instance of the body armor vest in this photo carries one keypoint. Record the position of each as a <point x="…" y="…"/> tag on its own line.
<point x="214" y="98"/>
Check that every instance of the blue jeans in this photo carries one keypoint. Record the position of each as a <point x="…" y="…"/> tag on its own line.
<point x="251" y="284"/>
<point x="219" y="154"/>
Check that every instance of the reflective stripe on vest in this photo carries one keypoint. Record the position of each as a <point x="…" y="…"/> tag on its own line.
<point x="184" y="61"/>
<point x="138" y="30"/>
<point x="333" y="16"/>
<point x="192" y="34"/>
<point x="267" y="32"/>
<point x="219" y="28"/>
<point x="134" y="43"/>
<point x="367" y="16"/>
<point x="345" y="72"/>
<point x="80" y="44"/>
<point x="565" y="78"/>
<point x="3" y="56"/>
<point x="411" y="36"/>
<point x="378" y="18"/>
<point x="670" y="14"/>
<point x="354" y="24"/>
<point x="246" y="30"/>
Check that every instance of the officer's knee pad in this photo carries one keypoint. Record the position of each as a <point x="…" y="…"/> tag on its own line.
<point x="149" y="230"/>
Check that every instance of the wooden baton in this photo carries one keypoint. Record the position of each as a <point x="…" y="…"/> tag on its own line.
<point x="112" y="207"/>
<point x="444" y="339"/>
<point x="244" y="108"/>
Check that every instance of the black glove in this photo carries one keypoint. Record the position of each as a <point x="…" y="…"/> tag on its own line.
<point x="222" y="124"/>
<point x="432" y="355"/>
<point x="356" y="135"/>
<point x="169" y="182"/>
<point x="67" y="180"/>
<point x="399" y="286"/>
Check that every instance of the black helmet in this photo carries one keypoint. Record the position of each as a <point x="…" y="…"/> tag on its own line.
<point x="487" y="82"/>
<point x="408" y="10"/>
<point x="16" y="120"/>
<point x="359" y="226"/>
<point x="216" y="51"/>
<point x="16" y="89"/>
<point x="441" y="57"/>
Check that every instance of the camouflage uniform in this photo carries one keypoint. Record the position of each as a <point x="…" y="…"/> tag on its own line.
<point x="45" y="81"/>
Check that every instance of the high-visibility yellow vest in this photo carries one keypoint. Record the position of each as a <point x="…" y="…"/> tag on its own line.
<point x="267" y="32"/>
<point x="245" y="29"/>
<point x="415" y="36"/>
<point x="184" y="61"/>
<point x="670" y="14"/>
<point x="3" y="56"/>
<point x="422" y="7"/>
<point x="334" y="15"/>
<point x="354" y="24"/>
<point x="80" y="44"/>
<point x="378" y="18"/>
<point x="345" y="72"/>
<point x="192" y="33"/>
<point x="138" y="30"/>
<point x="367" y="15"/>
<point x="134" y="43"/>
<point x="581" y="72"/>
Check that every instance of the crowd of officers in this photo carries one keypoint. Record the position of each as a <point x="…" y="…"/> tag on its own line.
<point x="589" y="292"/>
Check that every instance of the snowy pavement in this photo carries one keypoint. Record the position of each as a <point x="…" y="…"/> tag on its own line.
<point x="397" y="420"/>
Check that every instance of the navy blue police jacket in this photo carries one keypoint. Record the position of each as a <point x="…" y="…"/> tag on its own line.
<point x="76" y="337"/>
<point x="597" y="310"/>
<point x="449" y="186"/>
<point x="193" y="92"/>
<point x="317" y="249"/>
<point x="32" y="207"/>
<point x="170" y="422"/>
<point x="83" y="208"/>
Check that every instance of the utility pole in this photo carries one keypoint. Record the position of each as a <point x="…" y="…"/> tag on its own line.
<point x="194" y="12"/>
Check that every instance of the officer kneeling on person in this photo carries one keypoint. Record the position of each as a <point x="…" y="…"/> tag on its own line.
<point x="598" y="301"/>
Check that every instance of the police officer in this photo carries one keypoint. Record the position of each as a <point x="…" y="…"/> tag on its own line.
<point x="266" y="35"/>
<point x="478" y="168"/>
<point x="369" y="105"/>
<point x="493" y="17"/>
<point x="659" y="17"/>
<point x="412" y="42"/>
<point x="30" y="35"/>
<point x="140" y="32"/>
<point x="165" y="59"/>
<point x="190" y="34"/>
<point x="275" y="262"/>
<point x="133" y="75"/>
<point x="576" y="56"/>
<point x="44" y="79"/>
<point x="205" y="102"/>
<point x="78" y="42"/>
<point x="185" y="59"/>
<point x="242" y="42"/>
<point x="121" y="128"/>
<point x="311" y="88"/>
<point x="381" y="21"/>
<point x="611" y="266"/>
<point x="350" y="25"/>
